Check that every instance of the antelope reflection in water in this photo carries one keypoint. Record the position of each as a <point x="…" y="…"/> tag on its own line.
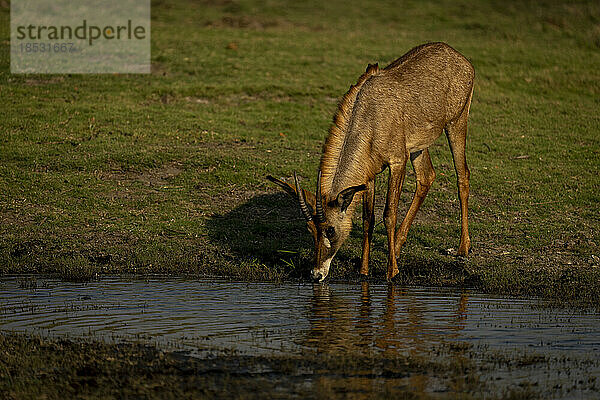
<point x="404" y="324"/>
<point x="399" y="323"/>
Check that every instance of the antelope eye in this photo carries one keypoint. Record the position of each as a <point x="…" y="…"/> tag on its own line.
<point x="330" y="232"/>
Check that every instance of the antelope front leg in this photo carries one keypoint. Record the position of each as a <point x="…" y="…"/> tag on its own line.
<point x="390" y="214"/>
<point x="368" y="224"/>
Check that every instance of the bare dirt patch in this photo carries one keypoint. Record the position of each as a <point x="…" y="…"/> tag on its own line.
<point x="156" y="177"/>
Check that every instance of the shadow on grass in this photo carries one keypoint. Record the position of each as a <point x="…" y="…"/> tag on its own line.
<point x="268" y="229"/>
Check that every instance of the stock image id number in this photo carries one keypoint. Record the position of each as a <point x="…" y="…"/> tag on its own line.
<point x="35" y="47"/>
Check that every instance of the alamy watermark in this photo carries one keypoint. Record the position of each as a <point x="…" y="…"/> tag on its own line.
<point x="80" y="36"/>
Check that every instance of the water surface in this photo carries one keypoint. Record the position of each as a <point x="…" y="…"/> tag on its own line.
<point x="514" y="342"/>
<point x="267" y="316"/>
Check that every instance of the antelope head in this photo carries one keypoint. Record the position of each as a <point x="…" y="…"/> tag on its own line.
<point x="329" y="224"/>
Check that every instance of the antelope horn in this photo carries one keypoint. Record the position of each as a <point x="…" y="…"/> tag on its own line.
<point x="303" y="207"/>
<point x="319" y="204"/>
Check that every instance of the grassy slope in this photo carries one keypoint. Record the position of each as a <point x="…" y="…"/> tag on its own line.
<point x="165" y="172"/>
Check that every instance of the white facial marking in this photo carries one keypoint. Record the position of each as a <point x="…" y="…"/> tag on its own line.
<point x="327" y="243"/>
<point x="325" y="269"/>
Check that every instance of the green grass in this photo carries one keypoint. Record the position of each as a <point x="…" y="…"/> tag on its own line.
<point x="164" y="173"/>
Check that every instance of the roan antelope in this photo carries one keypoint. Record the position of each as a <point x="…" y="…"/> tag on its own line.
<point x="390" y="116"/>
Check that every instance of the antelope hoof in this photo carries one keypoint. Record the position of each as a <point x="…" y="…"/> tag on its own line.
<point x="463" y="251"/>
<point x="391" y="274"/>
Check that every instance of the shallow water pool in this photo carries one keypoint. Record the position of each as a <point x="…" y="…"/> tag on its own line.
<point x="508" y="345"/>
<point x="257" y="317"/>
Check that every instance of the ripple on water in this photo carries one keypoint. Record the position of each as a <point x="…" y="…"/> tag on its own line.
<point x="265" y="316"/>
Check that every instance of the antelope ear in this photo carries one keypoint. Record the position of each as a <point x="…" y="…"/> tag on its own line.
<point x="291" y="190"/>
<point x="344" y="198"/>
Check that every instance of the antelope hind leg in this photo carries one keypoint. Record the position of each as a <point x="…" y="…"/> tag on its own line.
<point x="457" y="138"/>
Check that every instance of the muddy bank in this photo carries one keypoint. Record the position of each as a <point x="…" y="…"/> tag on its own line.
<point x="34" y="367"/>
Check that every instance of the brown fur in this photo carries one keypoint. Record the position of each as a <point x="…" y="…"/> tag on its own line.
<point x="333" y="163"/>
<point x="389" y="116"/>
<point x="334" y="144"/>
